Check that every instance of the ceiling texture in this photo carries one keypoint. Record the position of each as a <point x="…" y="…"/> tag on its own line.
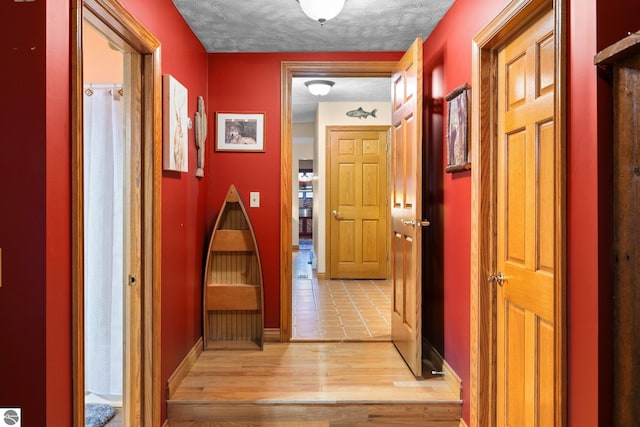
<point x="281" y="26"/>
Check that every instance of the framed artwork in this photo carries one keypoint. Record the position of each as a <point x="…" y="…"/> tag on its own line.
<point x="458" y="129"/>
<point x="175" y="129"/>
<point x="240" y="132"/>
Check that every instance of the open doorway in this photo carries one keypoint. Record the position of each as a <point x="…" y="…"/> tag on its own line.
<point x="116" y="139"/>
<point x="105" y="238"/>
<point x="325" y="309"/>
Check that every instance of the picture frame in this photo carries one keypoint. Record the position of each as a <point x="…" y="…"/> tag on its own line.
<point x="175" y="125"/>
<point x="240" y="132"/>
<point x="458" y="102"/>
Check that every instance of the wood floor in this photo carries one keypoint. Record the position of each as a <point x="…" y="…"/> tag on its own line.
<point x="310" y="384"/>
<point x="315" y="383"/>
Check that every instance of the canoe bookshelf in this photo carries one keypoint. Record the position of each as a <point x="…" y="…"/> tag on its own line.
<point x="233" y="290"/>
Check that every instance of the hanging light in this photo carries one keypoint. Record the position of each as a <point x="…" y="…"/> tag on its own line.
<point x="319" y="87"/>
<point x="321" y="10"/>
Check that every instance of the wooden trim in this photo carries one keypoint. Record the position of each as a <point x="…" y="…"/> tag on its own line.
<point x="77" y="215"/>
<point x="121" y="27"/>
<point x="271" y="335"/>
<point x="462" y="423"/>
<point x="184" y="367"/>
<point x="290" y="69"/>
<point x="509" y="21"/>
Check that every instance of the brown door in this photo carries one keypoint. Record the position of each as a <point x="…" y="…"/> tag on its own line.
<point x="406" y="207"/>
<point x="526" y="235"/>
<point x="358" y="203"/>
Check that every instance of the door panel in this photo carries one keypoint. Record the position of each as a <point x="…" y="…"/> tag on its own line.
<point x="526" y="233"/>
<point x="358" y="215"/>
<point x="406" y="209"/>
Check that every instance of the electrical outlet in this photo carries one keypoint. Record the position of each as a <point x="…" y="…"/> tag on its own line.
<point x="254" y="199"/>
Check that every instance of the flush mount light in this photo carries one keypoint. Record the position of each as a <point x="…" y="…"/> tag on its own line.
<point x="319" y="87"/>
<point x="321" y="10"/>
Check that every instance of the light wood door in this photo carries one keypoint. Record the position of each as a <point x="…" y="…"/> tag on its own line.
<point x="526" y="234"/>
<point x="358" y="203"/>
<point x="406" y="207"/>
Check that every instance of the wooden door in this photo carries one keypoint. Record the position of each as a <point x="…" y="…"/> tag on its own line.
<point x="358" y="203"/>
<point x="406" y="207"/>
<point x="526" y="233"/>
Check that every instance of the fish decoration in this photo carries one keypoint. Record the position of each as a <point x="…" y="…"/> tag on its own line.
<point x="361" y="114"/>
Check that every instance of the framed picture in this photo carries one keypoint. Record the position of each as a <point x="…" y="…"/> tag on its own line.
<point x="175" y="120"/>
<point x="458" y="129"/>
<point x="240" y="132"/>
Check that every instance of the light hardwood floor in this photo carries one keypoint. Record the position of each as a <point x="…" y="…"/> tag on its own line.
<point x="342" y="370"/>
<point x="324" y="384"/>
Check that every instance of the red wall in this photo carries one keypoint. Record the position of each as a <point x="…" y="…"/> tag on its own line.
<point x="23" y="208"/>
<point x="35" y="219"/>
<point x="184" y="204"/>
<point x="447" y="51"/>
<point x="251" y="83"/>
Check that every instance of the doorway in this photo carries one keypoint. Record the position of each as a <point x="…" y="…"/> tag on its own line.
<point x="325" y="309"/>
<point x="115" y="190"/>
<point x="105" y="151"/>
<point x="405" y="71"/>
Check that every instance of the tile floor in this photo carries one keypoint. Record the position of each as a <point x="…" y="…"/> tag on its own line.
<point x="337" y="310"/>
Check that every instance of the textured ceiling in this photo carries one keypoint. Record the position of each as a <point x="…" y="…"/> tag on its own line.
<point x="281" y="26"/>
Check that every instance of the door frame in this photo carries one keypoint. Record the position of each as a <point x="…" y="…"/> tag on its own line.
<point x="328" y="171"/>
<point x="111" y="17"/>
<point x="289" y="70"/>
<point x="515" y="16"/>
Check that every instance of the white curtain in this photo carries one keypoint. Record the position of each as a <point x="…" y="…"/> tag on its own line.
<point x="103" y="240"/>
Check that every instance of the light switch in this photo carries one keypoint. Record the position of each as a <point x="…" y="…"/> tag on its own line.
<point x="254" y="199"/>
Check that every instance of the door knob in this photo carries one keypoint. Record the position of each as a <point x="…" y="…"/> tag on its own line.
<point x="497" y="278"/>
<point x="336" y="213"/>
<point x="412" y="222"/>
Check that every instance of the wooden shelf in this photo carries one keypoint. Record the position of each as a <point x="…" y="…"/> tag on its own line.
<point x="233" y="297"/>
<point x="233" y="314"/>
<point x="232" y="241"/>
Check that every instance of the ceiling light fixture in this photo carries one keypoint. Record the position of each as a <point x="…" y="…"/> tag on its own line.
<point x="321" y="10"/>
<point x="319" y="87"/>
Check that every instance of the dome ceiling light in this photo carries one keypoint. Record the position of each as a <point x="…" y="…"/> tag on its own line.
<point x="319" y="87"/>
<point x="321" y="10"/>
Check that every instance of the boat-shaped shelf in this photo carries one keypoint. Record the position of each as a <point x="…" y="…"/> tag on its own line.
<point x="233" y="295"/>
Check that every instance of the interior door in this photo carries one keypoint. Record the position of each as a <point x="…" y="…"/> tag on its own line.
<point x="526" y="234"/>
<point x="406" y="207"/>
<point x="358" y="203"/>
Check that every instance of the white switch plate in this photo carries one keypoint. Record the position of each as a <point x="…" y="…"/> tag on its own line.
<point x="254" y="199"/>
